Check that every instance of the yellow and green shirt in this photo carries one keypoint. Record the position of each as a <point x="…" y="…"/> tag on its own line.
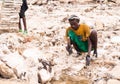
<point x="83" y="31"/>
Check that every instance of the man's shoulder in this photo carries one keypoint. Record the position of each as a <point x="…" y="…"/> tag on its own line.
<point x="68" y="28"/>
<point x="83" y="24"/>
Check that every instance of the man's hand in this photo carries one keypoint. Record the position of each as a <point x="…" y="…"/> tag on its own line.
<point x="95" y="54"/>
<point x="69" y="49"/>
<point x="88" y="59"/>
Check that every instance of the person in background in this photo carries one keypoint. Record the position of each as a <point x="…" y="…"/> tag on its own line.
<point x="82" y="39"/>
<point x="23" y="9"/>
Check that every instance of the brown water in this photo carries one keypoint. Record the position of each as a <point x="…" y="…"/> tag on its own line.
<point x="65" y="79"/>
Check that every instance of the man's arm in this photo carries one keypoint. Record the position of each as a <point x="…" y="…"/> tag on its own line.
<point x="89" y="46"/>
<point x="87" y="34"/>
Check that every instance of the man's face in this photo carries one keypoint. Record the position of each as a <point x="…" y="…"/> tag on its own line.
<point x="74" y="24"/>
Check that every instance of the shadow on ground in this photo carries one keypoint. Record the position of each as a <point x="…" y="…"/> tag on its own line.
<point x="8" y="31"/>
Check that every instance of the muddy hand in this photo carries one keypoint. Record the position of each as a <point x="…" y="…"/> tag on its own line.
<point x="69" y="49"/>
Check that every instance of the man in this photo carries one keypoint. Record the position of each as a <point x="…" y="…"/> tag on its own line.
<point x="24" y="7"/>
<point x="82" y="39"/>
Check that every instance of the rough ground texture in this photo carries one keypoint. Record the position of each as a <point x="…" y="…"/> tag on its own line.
<point x="21" y="55"/>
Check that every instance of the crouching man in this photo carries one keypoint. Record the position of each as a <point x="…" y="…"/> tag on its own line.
<point x="82" y="39"/>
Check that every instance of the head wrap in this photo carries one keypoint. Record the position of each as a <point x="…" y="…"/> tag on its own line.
<point x="73" y="17"/>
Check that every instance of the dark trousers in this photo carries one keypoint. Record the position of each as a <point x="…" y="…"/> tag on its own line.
<point x="24" y="7"/>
